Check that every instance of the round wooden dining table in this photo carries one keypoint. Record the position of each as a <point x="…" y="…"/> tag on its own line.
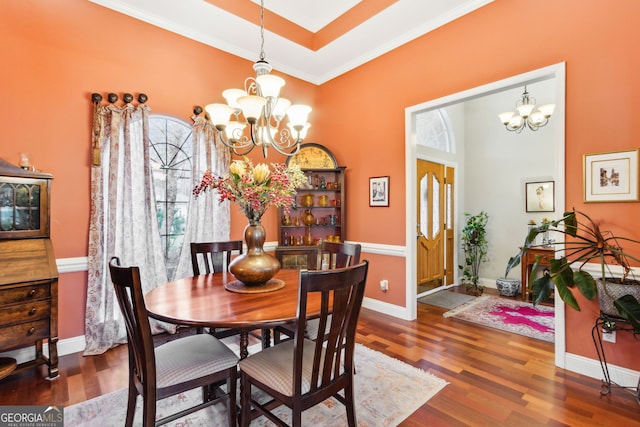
<point x="203" y="301"/>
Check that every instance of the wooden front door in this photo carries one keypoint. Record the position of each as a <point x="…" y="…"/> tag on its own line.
<point x="434" y="225"/>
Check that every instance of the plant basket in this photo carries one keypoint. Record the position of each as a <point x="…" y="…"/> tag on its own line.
<point x="612" y="290"/>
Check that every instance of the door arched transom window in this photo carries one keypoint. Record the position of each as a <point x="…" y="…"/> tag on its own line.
<point x="433" y="130"/>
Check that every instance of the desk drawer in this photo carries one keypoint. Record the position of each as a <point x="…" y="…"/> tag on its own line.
<point x="23" y="334"/>
<point x="25" y="312"/>
<point x="545" y="259"/>
<point x="25" y="293"/>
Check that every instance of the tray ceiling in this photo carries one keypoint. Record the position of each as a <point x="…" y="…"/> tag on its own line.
<point x="309" y="39"/>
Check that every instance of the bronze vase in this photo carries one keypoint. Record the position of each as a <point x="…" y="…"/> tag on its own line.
<point x="254" y="268"/>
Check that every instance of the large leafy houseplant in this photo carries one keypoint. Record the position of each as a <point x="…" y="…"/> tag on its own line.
<point x="585" y="243"/>
<point x="475" y="246"/>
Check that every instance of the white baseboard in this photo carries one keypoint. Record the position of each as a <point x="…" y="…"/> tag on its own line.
<point x="65" y="346"/>
<point x="591" y="368"/>
<point x="488" y="283"/>
<point x="386" y="308"/>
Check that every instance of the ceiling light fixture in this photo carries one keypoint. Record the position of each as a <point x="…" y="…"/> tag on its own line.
<point x="263" y="110"/>
<point x="527" y="115"/>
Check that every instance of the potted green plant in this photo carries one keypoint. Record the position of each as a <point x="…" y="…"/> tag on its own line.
<point x="585" y="243"/>
<point x="475" y="246"/>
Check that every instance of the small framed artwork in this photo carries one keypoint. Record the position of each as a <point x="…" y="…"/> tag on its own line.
<point x="379" y="191"/>
<point x="540" y="196"/>
<point x="611" y="177"/>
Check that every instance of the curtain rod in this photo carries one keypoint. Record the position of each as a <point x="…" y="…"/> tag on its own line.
<point x="96" y="98"/>
<point x="113" y="97"/>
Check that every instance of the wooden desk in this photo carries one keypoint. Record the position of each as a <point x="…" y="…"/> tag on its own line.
<point x="203" y="301"/>
<point x="7" y="366"/>
<point x="529" y="258"/>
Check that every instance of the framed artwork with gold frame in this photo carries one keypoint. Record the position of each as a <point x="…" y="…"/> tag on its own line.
<point x="540" y="196"/>
<point x="611" y="177"/>
<point x="313" y="156"/>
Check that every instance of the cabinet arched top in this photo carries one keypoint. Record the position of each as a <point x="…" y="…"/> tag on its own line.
<point x="313" y="156"/>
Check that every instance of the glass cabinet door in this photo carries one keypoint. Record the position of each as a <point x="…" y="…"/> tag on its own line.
<point x="23" y="207"/>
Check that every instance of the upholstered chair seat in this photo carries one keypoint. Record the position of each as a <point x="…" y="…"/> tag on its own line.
<point x="190" y="358"/>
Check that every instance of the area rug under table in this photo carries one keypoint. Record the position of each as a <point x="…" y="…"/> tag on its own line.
<point x="518" y="317"/>
<point x="386" y="392"/>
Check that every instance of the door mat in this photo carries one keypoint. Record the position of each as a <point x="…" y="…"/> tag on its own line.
<point x="518" y="317"/>
<point x="446" y="299"/>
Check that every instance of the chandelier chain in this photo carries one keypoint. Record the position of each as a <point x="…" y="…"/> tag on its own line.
<point x="260" y="108"/>
<point x="261" y="30"/>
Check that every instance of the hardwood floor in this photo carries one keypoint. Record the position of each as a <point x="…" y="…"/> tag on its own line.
<point x="496" y="378"/>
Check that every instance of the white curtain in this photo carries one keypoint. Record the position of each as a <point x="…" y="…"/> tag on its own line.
<point x="207" y="218"/>
<point x="123" y="219"/>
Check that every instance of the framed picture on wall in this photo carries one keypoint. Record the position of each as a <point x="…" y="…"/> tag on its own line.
<point x="379" y="191"/>
<point x="540" y="196"/>
<point x="611" y="177"/>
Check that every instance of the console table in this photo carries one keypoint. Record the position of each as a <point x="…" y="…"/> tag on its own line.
<point x="545" y="256"/>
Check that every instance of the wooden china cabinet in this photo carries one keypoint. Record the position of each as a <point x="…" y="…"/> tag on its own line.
<point x="28" y="271"/>
<point x="319" y="213"/>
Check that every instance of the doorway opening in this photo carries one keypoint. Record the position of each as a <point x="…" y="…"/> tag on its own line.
<point x="435" y="225"/>
<point x="512" y="223"/>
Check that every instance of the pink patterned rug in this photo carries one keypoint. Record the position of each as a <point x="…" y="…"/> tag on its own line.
<point x="509" y="315"/>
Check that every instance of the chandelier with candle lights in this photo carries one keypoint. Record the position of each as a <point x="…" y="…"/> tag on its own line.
<point x="260" y="107"/>
<point x="527" y="115"/>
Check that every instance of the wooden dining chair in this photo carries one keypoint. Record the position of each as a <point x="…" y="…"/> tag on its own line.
<point x="182" y="364"/>
<point x="339" y="255"/>
<point x="214" y="256"/>
<point x="303" y="372"/>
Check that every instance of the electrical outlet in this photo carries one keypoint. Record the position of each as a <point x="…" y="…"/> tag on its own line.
<point x="609" y="336"/>
<point x="384" y="285"/>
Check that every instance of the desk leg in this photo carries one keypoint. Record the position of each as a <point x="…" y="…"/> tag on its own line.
<point x="523" y="279"/>
<point x="244" y="343"/>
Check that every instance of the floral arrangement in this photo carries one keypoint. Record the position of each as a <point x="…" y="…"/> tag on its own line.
<point x="255" y="188"/>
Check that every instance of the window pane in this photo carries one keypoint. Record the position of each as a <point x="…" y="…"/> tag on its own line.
<point x="449" y="205"/>
<point x="424" y="206"/>
<point x="436" y="207"/>
<point x="171" y="151"/>
<point x="432" y="130"/>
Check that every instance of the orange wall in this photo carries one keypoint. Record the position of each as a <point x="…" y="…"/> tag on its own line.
<point x="597" y="41"/>
<point x="56" y="53"/>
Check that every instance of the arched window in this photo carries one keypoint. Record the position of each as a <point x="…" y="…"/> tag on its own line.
<point x="433" y="130"/>
<point x="171" y="150"/>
